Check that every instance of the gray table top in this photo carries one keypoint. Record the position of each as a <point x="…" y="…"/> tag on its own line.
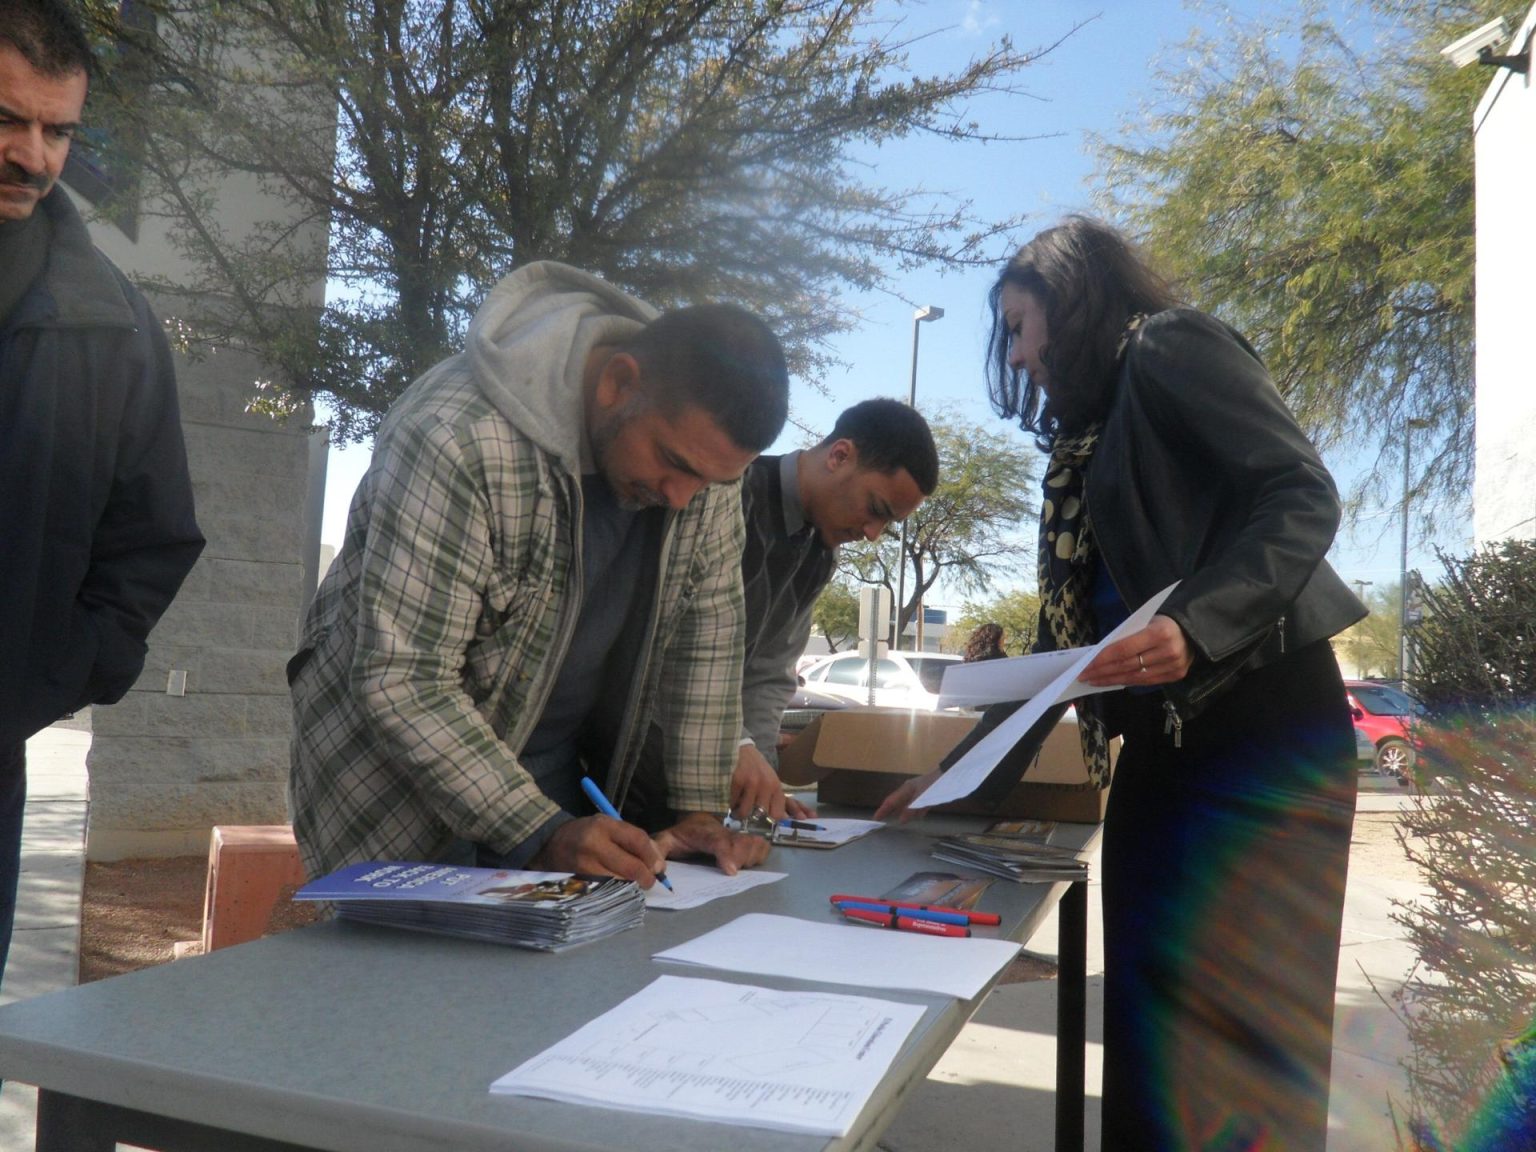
<point x="350" y="1038"/>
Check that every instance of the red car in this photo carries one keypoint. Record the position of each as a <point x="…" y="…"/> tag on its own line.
<point x="1384" y="716"/>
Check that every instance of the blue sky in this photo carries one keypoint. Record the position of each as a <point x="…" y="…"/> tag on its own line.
<point x="1091" y="83"/>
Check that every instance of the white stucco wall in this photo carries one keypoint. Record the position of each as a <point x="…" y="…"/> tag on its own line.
<point x="1504" y="490"/>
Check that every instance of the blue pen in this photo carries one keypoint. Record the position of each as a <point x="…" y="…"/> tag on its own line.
<point x="601" y="802"/>
<point x="801" y="825"/>
<point x="925" y="914"/>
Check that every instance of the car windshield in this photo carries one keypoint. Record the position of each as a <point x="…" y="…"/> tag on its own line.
<point x="1384" y="700"/>
<point x="930" y="671"/>
<point x="848" y="670"/>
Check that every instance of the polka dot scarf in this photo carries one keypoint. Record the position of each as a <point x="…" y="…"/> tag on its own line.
<point x="1068" y="558"/>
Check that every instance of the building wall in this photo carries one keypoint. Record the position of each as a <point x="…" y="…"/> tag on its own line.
<point x="1504" y="490"/>
<point x="164" y="768"/>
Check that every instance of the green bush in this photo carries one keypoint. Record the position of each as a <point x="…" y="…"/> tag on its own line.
<point x="1472" y="833"/>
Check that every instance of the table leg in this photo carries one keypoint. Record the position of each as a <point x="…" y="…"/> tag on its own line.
<point x="1071" y="1017"/>
<point x="67" y="1124"/>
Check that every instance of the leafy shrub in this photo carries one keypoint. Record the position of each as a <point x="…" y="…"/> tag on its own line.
<point x="1476" y="650"/>
<point x="1472" y="833"/>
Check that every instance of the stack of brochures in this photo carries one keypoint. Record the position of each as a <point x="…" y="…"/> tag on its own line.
<point x="549" y="911"/>
<point x="1012" y="857"/>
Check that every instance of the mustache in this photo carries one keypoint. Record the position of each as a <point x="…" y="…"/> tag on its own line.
<point x="15" y="174"/>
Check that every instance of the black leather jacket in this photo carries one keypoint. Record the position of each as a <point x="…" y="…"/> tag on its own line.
<point x="1202" y="476"/>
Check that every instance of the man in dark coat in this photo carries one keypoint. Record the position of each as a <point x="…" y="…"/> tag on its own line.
<point x="96" y="522"/>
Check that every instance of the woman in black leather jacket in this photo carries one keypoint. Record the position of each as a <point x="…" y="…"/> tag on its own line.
<point x="1226" y="841"/>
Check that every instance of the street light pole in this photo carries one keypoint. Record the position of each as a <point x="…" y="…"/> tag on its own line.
<point x="930" y="312"/>
<point x="1409" y="426"/>
<point x="1360" y="587"/>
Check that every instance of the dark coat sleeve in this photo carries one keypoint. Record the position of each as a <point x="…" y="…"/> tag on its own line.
<point x="1247" y="516"/>
<point x="147" y="538"/>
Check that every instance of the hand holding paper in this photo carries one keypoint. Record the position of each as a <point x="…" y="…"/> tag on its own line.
<point x="1158" y="654"/>
<point x="968" y="773"/>
<point x="899" y="802"/>
<point x="1012" y="678"/>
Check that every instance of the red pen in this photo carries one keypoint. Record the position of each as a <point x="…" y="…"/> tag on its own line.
<point x="905" y="923"/>
<point x="973" y="917"/>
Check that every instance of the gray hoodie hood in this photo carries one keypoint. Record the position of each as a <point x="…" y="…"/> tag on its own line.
<point x="528" y="347"/>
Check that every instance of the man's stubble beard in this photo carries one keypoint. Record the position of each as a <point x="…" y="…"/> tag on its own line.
<point x="634" y="496"/>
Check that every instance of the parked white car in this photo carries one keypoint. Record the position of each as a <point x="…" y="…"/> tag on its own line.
<point x="902" y="679"/>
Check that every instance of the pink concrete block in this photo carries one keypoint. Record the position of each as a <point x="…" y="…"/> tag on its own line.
<point x="249" y="865"/>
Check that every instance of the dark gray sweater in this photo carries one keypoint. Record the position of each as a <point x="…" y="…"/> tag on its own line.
<point x="784" y="567"/>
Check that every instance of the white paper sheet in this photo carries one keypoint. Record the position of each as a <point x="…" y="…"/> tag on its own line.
<point x="984" y="682"/>
<point x="705" y="1049"/>
<point x="968" y="773"/>
<point x="695" y="884"/>
<point x="857" y="954"/>
<point x="831" y="832"/>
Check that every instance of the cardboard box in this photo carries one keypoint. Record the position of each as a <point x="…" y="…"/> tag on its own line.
<point x="860" y="755"/>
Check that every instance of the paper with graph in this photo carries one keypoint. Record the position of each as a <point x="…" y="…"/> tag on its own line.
<point x="792" y="1061"/>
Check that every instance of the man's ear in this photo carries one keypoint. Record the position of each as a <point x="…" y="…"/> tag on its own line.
<point x="842" y="453"/>
<point x="617" y="382"/>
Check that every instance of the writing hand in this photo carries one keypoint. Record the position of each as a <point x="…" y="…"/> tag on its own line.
<point x="603" y="846"/>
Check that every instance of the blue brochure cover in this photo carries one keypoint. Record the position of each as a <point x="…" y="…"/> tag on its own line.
<point x="545" y="910"/>
<point x="447" y="883"/>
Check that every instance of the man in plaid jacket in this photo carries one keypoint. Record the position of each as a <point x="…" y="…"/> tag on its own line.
<point x="544" y="554"/>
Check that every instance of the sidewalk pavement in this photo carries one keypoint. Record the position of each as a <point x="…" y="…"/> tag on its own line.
<point x="992" y="1090"/>
<point x="45" y="947"/>
<point x="1005" y="1058"/>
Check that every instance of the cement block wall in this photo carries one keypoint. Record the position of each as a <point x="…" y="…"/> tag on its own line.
<point x="165" y="768"/>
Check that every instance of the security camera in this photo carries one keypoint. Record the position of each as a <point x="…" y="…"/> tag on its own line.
<point x="1465" y="51"/>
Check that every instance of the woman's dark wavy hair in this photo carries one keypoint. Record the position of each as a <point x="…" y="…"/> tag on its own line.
<point x="985" y="643"/>
<point x="1091" y="281"/>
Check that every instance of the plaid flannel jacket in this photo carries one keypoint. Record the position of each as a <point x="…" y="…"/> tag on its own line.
<point x="436" y="637"/>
